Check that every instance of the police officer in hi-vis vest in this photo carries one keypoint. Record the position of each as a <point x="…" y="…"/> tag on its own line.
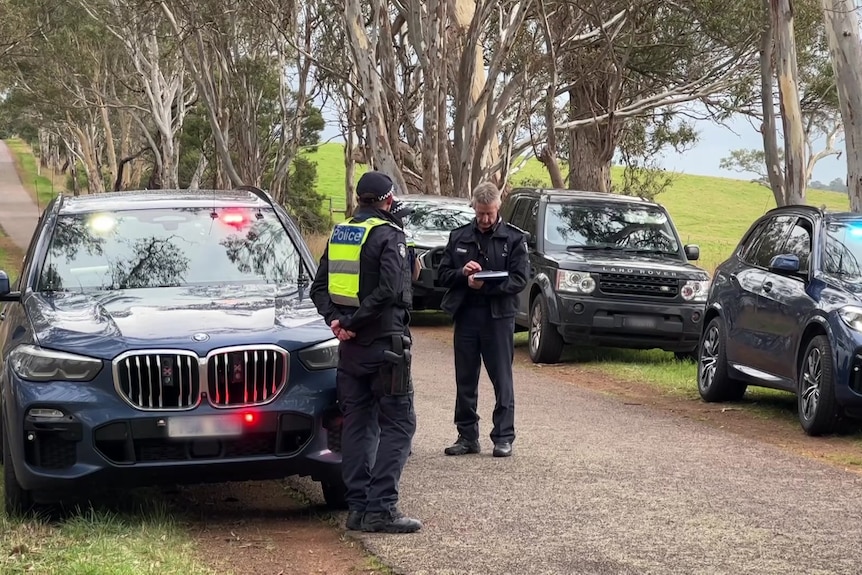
<point x="363" y="290"/>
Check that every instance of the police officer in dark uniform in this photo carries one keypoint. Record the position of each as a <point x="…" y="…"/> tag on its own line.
<point x="484" y="314"/>
<point x="363" y="290"/>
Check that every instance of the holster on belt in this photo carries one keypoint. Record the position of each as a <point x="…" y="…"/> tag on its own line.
<point x="396" y="375"/>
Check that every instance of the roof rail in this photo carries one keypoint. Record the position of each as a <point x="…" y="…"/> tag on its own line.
<point x="262" y="194"/>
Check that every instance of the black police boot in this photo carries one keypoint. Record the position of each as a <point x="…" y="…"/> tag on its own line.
<point x="354" y="520"/>
<point x="463" y="447"/>
<point x="389" y="522"/>
<point x="502" y="449"/>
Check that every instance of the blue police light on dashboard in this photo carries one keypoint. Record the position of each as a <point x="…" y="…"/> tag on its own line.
<point x="349" y="235"/>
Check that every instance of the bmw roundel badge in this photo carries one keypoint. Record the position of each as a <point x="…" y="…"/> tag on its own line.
<point x="200" y="337"/>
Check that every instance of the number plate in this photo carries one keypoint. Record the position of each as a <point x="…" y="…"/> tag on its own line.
<point x="204" y="426"/>
<point x="640" y="322"/>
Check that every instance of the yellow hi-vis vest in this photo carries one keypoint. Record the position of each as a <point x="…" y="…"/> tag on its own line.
<point x="345" y="247"/>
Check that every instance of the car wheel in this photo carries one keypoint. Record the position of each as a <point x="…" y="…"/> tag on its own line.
<point x="546" y="343"/>
<point x="713" y="381"/>
<point x="816" y="397"/>
<point x="334" y="493"/>
<point x="18" y="501"/>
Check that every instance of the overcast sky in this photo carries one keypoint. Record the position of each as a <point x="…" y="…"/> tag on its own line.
<point x="715" y="142"/>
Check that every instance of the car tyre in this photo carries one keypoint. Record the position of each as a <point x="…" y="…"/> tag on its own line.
<point x="334" y="494"/>
<point x="17" y="500"/>
<point x="713" y="380"/>
<point x="816" y="393"/>
<point x="545" y="342"/>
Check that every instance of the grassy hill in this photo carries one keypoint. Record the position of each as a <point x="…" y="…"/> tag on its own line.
<point x="708" y="211"/>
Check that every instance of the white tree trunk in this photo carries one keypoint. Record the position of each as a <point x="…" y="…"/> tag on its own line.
<point x="364" y="50"/>
<point x="842" y="31"/>
<point x="781" y="13"/>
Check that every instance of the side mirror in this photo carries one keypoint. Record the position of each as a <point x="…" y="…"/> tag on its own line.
<point x="784" y="264"/>
<point x="6" y="293"/>
<point x="692" y="252"/>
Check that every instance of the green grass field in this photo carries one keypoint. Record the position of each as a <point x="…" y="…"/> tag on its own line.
<point x="100" y="543"/>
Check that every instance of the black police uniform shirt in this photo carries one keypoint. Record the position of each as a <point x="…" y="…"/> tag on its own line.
<point x="385" y="287"/>
<point x="502" y="248"/>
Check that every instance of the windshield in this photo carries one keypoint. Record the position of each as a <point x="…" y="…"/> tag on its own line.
<point x="843" y="249"/>
<point x="169" y="248"/>
<point x="629" y="227"/>
<point x="431" y="216"/>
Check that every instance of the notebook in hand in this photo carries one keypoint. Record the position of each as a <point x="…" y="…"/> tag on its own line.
<point x="490" y="276"/>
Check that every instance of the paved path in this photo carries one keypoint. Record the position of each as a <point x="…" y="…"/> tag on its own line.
<point x="18" y="211"/>
<point x="597" y="486"/>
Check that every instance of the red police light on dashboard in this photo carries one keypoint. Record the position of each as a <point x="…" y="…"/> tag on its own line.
<point x="232" y="218"/>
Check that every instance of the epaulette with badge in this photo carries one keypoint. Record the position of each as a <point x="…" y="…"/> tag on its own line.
<point x="516" y="228"/>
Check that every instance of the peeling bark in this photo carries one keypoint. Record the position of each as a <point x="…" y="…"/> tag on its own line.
<point x="788" y="97"/>
<point x="845" y="48"/>
<point x="364" y="49"/>
<point x="768" y="129"/>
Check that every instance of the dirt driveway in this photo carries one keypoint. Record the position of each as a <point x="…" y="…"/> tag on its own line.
<point x="598" y="485"/>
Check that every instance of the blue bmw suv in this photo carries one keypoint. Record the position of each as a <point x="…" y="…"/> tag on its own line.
<point x="785" y="312"/>
<point x="164" y="337"/>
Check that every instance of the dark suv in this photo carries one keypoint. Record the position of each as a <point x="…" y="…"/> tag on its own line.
<point x="164" y="337"/>
<point x="605" y="270"/>
<point x="785" y="312"/>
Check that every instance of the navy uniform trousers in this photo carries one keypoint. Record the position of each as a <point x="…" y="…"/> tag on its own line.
<point x="481" y="338"/>
<point x="371" y="460"/>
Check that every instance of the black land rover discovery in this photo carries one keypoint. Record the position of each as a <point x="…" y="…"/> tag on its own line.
<point x="605" y="270"/>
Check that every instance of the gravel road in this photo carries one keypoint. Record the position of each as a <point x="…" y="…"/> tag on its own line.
<point x="598" y="486"/>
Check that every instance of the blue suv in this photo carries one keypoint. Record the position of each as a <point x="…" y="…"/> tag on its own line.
<point x="785" y="312"/>
<point x="164" y="337"/>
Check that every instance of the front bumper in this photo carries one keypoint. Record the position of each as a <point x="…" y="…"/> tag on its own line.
<point x="847" y="350"/>
<point x="596" y="321"/>
<point x="102" y="441"/>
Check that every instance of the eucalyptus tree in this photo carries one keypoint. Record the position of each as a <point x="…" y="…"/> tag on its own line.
<point x="845" y="47"/>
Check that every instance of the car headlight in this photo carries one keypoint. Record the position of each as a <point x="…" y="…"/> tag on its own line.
<point x="34" y="363"/>
<point x="575" y="282"/>
<point x="323" y="355"/>
<point x="852" y="316"/>
<point x="695" y="290"/>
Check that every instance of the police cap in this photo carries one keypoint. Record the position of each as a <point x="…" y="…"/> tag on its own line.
<point x="374" y="187"/>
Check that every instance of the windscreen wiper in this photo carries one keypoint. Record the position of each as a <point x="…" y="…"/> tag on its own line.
<point x="591" y="248"/>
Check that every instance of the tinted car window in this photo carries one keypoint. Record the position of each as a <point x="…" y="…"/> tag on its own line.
<point x="432" y="216"/>
<point x="519" y="214"/>
<point x="531" y="215"/>
<point x="843" y="249"/>
<point x="609" y="226"/>
<point x="771" y="240"/>
<point x="799" y="243"/>
<point x="168" y="248"/>
<point x="750" y="243"/>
